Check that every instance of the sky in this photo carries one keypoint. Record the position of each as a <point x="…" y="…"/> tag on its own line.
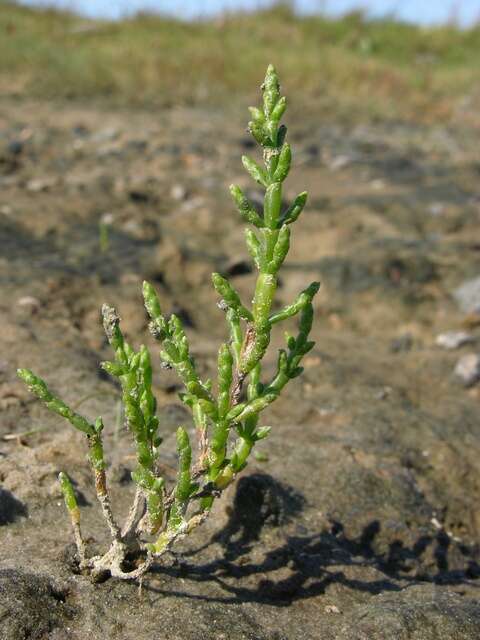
<point x="423" y="12"/>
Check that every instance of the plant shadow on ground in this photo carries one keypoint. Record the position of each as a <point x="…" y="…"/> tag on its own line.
<point x="312" y="562"/>
<point x="10" y="508"/>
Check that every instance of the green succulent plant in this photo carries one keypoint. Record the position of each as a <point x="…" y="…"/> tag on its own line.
<point x="227" y="418"/>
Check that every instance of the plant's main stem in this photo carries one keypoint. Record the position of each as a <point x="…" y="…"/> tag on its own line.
<point x="226" y="422"/>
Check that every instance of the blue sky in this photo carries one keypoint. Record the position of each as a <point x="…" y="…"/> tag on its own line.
<point x="419" y="11"/>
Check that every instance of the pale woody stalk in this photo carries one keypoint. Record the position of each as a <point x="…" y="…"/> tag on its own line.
<point x="159" y="516"/>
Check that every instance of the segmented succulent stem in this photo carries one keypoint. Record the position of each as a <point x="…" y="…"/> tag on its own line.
<point x="226" y="419"/>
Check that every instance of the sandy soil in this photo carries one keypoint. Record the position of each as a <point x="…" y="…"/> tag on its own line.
<point x="363" y="523"/>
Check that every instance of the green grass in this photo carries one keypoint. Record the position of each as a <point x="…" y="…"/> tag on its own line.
<point x="377" y="68"/>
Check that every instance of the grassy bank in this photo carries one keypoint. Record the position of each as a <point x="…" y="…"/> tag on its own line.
<point x="351" y="65"/>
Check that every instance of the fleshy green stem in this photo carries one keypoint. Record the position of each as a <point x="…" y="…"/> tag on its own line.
<point x="226" y="418"/>
<point x="74" y="512"/>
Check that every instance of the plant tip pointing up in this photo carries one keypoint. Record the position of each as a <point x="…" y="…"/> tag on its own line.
<point x="226" y="416"/>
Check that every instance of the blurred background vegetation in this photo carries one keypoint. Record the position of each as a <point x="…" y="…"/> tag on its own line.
<point x="350" y="67"/>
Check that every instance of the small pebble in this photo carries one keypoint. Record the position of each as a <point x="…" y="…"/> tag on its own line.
<point x="29" y="302"/>
<point x="453" y="339"/>
<point x="331" y="608"/>
<point x="106" y="135"/>
<point x="40" y="184"/>
<point x="467" y="296"/>
<point x="378" y="185"/>
<point x="339" y="162"/>
<point x="436" y="209"/>
<point x="467" y="369"/>
<point x="107" y="218"/>
<point x="383" y="393"/>
<point x="178" y="192"/>
<point x="192" y="204"/>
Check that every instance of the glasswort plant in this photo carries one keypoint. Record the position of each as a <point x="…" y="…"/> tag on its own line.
<point x="160" y="515"/>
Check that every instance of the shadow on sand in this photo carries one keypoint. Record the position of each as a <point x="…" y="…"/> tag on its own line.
<point x="313" y="561"/>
